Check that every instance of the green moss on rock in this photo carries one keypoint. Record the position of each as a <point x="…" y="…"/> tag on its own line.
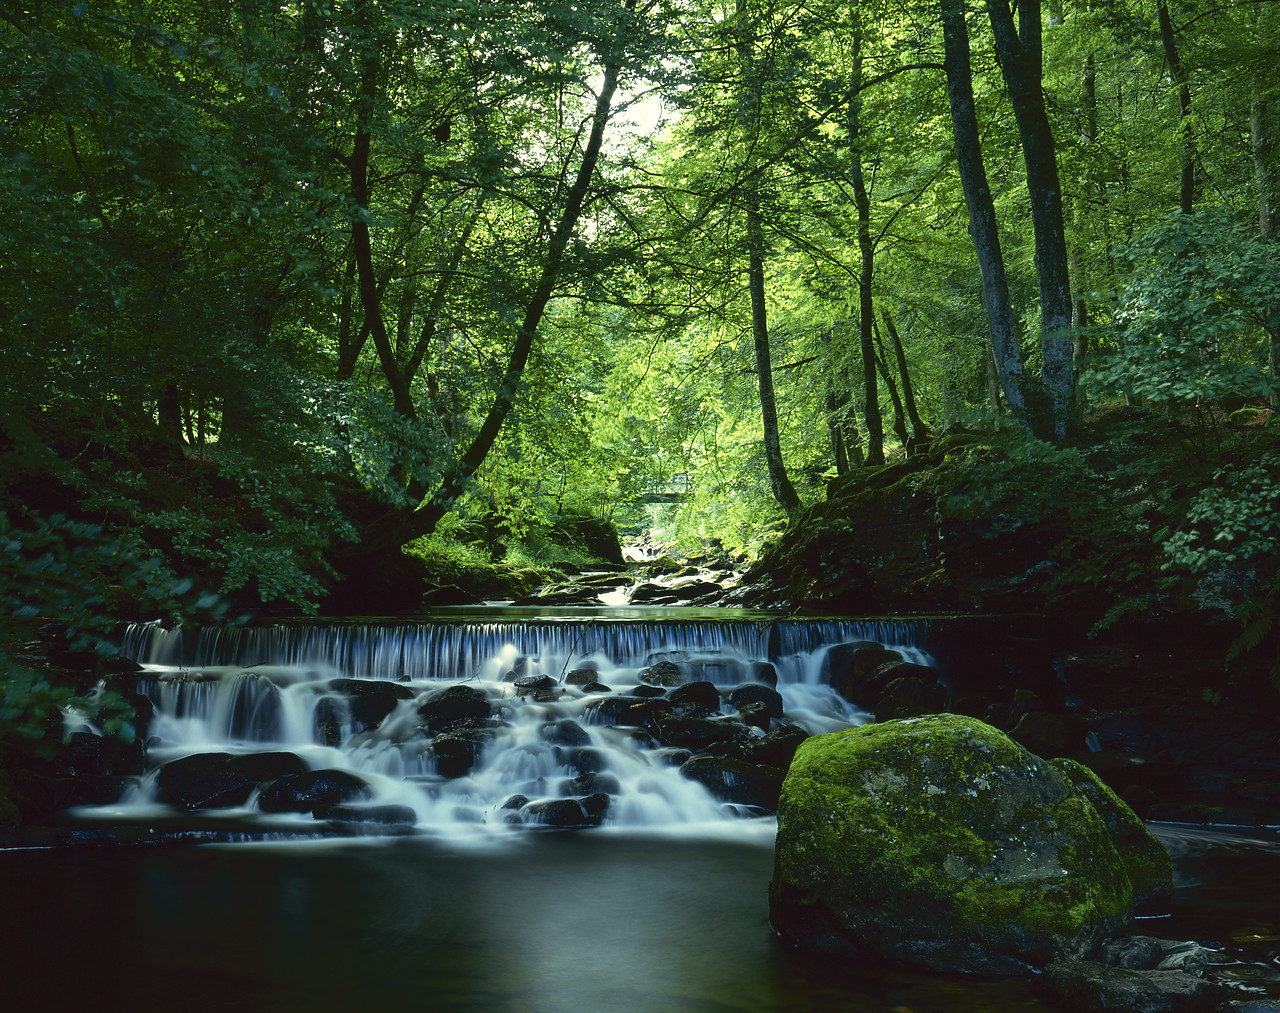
<point x="940" y="841"/>
<point x="1145" y="858"/>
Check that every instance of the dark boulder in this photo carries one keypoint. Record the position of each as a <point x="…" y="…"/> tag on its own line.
<point x="369" y="701"/>
<point x="458" y="750"/>
<point x="565" y="732"/>
<point x="581" y="677"/>
<point x="446" y="707"/>
<point x="701" y="693"/>
<point x="698" y="733"/>
<point x="567" y="813"/>
<point x="300" y="793"/>
<point x="591" y="784"/>
<point x="777" y="747"/>
<point x="750" y="693"/>
<point x="664" y="673"/>
<point x="535" y="684"/>
<point x="1093" y="987"/>
<point x="220" y="780"/>
<point x="733" y="780"/>
<point x="582" y="759"/>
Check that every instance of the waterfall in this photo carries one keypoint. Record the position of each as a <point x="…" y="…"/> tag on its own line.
<point x="443" y="725"/>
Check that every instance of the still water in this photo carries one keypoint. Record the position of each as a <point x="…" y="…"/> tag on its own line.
<point x="524" y="923"/>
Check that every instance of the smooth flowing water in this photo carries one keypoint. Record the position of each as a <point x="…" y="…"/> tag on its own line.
<point x="662" y="909"/>
<point x="299" y="688"/>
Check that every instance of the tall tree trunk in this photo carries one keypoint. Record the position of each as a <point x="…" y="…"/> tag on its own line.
<point x="783" y="491"/>
<point x="899" y="417"/>
<point x="866" y="253"/>
<point x="1006" y="351"/>
<point x="834" y="403"/>
<point x="1079" y="307"/>
<point x="918" y="428"/>
<point x="1021" y="63"/>
<point x="1264" y="135"/>
<point x="1186" y="143"/>
<point x="750" y="118"/>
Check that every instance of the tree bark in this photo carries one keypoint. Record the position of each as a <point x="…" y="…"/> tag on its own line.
<point x="1079" y="307"/>
<point x="784" y="492"/>
<point x="1005" y="348"/>
<point x="866" y="253"/>
<point x="1186" y="144"/>
<point x="1020" y="62"/>
<point x="899" y="417"/>
<point x="1264" y="136"/>
<point x="918" y="428"/>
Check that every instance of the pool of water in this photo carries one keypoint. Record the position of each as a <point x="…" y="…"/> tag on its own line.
<point x="526" y="923"/>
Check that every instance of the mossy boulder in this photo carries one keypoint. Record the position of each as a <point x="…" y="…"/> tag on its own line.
<point x="940" y="842"/>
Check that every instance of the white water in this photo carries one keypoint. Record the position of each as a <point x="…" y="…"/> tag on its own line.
<point x="258" y="689"/>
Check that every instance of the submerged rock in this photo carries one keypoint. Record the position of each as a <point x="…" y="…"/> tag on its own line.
<point x="220" y="780"/>
<point x="940" y="842"/>
<point x="301" y="793"/>
<point x="1088" y="985"/>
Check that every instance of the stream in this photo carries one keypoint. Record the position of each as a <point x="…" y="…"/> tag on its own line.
<point x="471" y="901"/>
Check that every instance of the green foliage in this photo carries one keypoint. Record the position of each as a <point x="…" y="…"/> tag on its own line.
<point x="1190" y="320"/>
<point x="1234" y="520"/>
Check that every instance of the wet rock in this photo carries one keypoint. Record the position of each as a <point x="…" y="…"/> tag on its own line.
<point x="458" y="750"/>
<point x="754" y="693"/>
<point x="515" y="802"/>
<point x="755" y="715"/>
<point x="581" y="677"/>
<point x="300" y="793"/>
<point x="448" y="706"/>
<point x="565" y="732"/>
<point x="1145" y="859"/>
<point x="698" y="733"/>
<point x="1134" y="952"/>
<point x="664" y="673"/>
<point x="765" y="673"/>
<point x="620" y="710"/>
<point x="939" y="842"/>
<point x="1088" y="985"/>
<point x="848" y="665"/>
<point x="535" y="684"/>
<point x="219" y="780"/>
<point x="567" y="813"/>
<point x="652" y="594"/>
<point x="778" y="747"/>
<point x="701" y="693"/>
<point x="370" y="700"/>
<point x="652" y="692"/>
<point x="734" y="780"/>
<point x="388" y="815"/>
<point x="591" y="784"/>
<point x="584" y="760"/>
<point x="327" y="721"/>
<point x="596" y="687"/>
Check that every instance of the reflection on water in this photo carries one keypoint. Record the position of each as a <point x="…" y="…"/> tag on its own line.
<point x="548" y="923"/>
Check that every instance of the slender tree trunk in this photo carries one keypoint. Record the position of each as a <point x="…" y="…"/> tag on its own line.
<point x="834" y="403"/>
<point x="1264" y="135"/>
<point x="920" y="430"/>
<point x="784" y="492"/>
<point x="899" y="417"/>
<point x="1186" y="143"/>
<point x="993" y="380"/>
<point x="1079" y="307"/>
<point x="1006" y="351"/>
<point x="1020" y="62"/>
<point x="866" y="252"/>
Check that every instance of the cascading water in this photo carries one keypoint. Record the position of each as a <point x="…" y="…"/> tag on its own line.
<point x="449" y="725"/>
